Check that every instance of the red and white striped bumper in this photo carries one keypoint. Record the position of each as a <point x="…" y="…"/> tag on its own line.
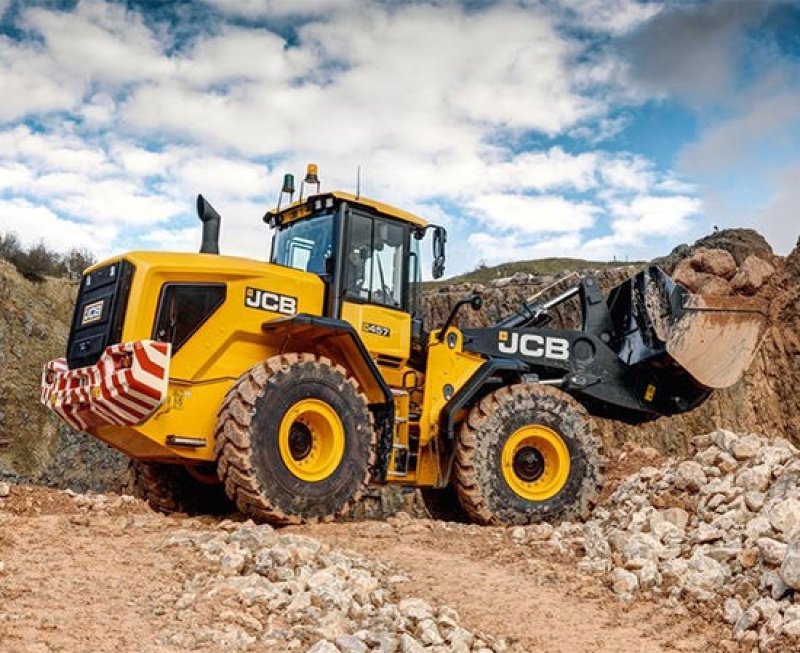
<point x="125" y="387"/>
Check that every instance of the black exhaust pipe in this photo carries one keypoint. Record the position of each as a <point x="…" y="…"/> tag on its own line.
<point x="210" y="219"/>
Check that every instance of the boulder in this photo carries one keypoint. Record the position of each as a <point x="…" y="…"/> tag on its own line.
<point x="772" y="551"/>
<point x="624" y="582"/>
<point x="714" y="261"/>
<point x="785" y="516"/>
<point x="689" y="475"/>
<point x="752" y="275"/>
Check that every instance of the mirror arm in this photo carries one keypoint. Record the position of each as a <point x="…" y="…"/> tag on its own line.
<point x="475" y="301"/>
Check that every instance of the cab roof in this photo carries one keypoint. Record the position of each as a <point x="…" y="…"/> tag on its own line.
<point x="303" y="208"/>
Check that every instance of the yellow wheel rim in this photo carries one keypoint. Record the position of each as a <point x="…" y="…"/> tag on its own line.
<point x="535" y="462"/>
<point x="311" y="440"/>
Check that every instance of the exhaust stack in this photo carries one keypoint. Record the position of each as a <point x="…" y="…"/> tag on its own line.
<point x="210" y="219"/>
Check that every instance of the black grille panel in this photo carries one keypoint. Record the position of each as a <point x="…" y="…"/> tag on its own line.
<point x="99" y="313"/>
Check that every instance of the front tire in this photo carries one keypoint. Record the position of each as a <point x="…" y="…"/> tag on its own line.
<point x="526" y="453"/>
<point x="295" y="440"/>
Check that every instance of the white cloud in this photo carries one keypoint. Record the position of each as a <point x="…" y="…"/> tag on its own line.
<point x="276" y="8"/>
<point x="627" y="173"/>
<point x="140" y="162"/>
<point x="535" y="214"/>
<point x="652" y="216"/>
<point x="778" y="220"/>
<point x="548" y="170"/>
<point x="98" y="111"/>
<point x="99" y="41"/>
<point x="65" y="153"/>
<point x="186" y="239"/>
<point x="633" y="223"/>
<point x="492" y="248"/>
<point x="613" y="16"/>
<point x="13" y="175"/>
<point x="32" y="223"/>
<point x="411" y="78"/>
<point x="761" y="118"/>
<point x="226" y="177"/>
<point x="434" y="100"/>
<point x="114" y="201"/>
<point x="774" y="212"/>
<point x="240" y="54"/>
<point x="31" y="83"/>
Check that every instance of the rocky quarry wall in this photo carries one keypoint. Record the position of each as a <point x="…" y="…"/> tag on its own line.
<point x="34" y="324"/>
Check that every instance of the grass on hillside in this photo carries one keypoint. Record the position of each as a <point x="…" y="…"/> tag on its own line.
<point x="485" y="274"/>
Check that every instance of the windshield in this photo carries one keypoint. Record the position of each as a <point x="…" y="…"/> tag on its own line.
<point x="305" y="244"/>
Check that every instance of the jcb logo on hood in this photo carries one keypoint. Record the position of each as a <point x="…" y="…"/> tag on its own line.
<point x="535" y="346"/>
<point x="266" y="300"/>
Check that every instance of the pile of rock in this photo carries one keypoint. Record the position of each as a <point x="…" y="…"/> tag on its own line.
<point x="285" y="592"/>
<point x="719" y="531"/>
<point x="715" y="272"/>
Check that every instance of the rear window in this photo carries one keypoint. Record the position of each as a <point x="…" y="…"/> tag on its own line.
<point x="183" y="309"/>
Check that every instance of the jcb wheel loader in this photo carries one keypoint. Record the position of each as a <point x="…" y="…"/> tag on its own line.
<point x="288" y="386"/>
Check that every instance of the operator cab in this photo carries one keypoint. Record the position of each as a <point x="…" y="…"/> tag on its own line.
<point x="367" y="253"/>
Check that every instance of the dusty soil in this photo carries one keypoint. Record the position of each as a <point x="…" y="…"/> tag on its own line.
<point x="76" y="581"/>
<point x="496" y="586"/>
<point x="95" y="576"/>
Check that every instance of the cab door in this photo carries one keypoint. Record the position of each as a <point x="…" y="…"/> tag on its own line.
<point x="375" y="286"/>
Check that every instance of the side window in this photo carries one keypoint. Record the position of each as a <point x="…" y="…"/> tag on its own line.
<point x="183" y="309"/>
<point x="387" y="268"/>
<point x="305" y="244"/>
<point x="374" y="264"/>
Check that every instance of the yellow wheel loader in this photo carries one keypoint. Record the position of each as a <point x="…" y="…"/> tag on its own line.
<point x="287" y="386"/>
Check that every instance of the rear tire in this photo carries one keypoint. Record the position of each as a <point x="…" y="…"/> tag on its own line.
<point x="443" y="504"/>
<point x="172" y="488"/>
<point x="295" y="440"/>
<point x="526" y="453"/>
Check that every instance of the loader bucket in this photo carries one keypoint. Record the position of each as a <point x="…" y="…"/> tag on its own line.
<point x="712" y="339"/>
<point x="715" y="338"/>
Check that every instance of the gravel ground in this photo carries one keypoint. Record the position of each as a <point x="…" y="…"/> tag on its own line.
<point x="102" y="573"/>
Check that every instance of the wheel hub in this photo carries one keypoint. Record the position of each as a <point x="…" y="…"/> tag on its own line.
<point x="300" y="441"/>
<point x="529" y="464"/>
<point x="311" y="440"/>
<point x="535" y="462"/>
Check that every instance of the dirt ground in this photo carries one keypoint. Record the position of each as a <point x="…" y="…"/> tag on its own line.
<point x="511" y="591"/>
<point x="77" y="580"/>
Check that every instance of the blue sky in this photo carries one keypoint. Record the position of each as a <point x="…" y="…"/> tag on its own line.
<point x="591" y="128"/>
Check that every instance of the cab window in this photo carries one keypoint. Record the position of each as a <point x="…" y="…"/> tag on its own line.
<point x="305" y="244"/>
<point x="374" y="267"/>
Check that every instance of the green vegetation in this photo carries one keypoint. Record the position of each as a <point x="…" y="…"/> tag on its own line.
<point x="35" y="263"/>
<point x="485" y="274"/>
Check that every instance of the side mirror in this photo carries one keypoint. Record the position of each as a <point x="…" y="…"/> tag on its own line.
<point x="439" y="240"/>
<point x="475" y="302"/>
